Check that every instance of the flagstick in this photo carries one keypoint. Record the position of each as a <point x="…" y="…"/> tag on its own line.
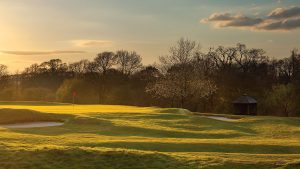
<point x="73" y="104"/>
<point x="74" y="94"/>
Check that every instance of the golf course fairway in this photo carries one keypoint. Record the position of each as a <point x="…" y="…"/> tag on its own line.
<point x="127" y="137"/>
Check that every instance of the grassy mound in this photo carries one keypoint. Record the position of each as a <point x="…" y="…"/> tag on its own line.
<point x="10" y="116"/>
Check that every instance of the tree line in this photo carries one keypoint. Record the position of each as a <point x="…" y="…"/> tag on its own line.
<point x="186" y="77"/>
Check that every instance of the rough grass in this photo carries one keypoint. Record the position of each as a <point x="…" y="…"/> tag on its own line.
<point x="105" y="136"/>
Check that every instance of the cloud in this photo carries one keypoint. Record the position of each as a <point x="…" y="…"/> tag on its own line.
<point x="284" y="25"/>
<point x="41" y="52"/>
<point x="282" y="13"/>
<point x="228" y="20"/>
<point x="218" y="17"/>
<point x="279" y="19"/>
<point x="91" y="43"/>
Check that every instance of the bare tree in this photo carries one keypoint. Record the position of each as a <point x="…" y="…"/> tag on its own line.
<point x="183" y="78"/>
<point x="102" y="63"/>
<point x="178" y="65"/>
<point x="3" y="76"/>
<point x="204" y="65"/>
<point x="32" y="69"/>
<point x="54" y="66"/>
<point x="170" y="87"/>
<point x="295" y="64"/>
<point x="181" y="54"/>
<point x="223" y="57"/>
<point x="128" y="62"/>
<point x="79" y="68"/>
<point x="248" y="58"/>
<point x="3" y="70"/>
<point x="105" y="61"/>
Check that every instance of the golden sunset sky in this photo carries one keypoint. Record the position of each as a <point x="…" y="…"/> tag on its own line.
<point x="33" y="31"/>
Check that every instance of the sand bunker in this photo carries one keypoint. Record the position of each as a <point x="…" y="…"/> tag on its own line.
<point x="221" y="118"/>
<point x="32" y="125"/>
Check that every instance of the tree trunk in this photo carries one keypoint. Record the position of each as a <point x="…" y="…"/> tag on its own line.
<point x="182" y="102"/>
<point x="99" y="93"/>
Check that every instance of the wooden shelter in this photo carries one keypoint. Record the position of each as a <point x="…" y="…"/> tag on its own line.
<point x="245" y="105"/>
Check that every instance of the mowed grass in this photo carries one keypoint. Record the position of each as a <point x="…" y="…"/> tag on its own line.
<point x="109" y="136"/>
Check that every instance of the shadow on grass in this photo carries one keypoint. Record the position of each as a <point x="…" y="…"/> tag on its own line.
<point x="291" y="121"/>
<point x="102" y="124"/>
<point x="78" y="158"/>
<point x="12" y="116"/>
<point x="109" y="129"/>
<point x="292" y="165"/>
<point x="32" y="103"/>
<point x="199" y="147"/>
<point x="106" y="127"/>
<point x="185" y="122"/>
<point x="205" y="124"/>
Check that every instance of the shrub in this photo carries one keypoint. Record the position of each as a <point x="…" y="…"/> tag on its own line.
<point x="84" y="92"/>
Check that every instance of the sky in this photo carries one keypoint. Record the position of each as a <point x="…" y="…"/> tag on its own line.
<point x="33" y="31"/>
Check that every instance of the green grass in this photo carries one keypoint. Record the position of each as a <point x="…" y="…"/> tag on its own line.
<point x="106" y="136"/>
